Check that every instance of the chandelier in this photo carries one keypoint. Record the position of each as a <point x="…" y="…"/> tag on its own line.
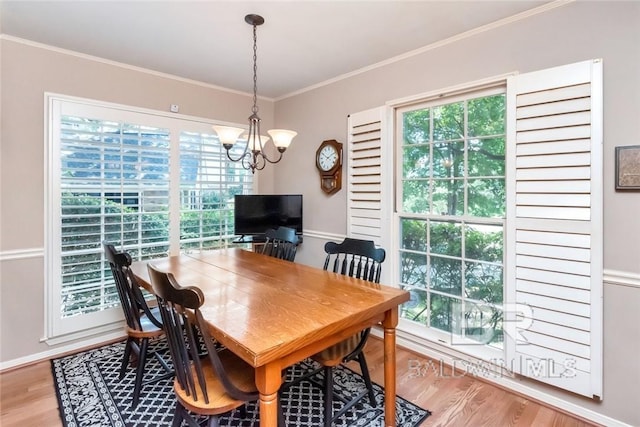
<point x="254" y="155"/>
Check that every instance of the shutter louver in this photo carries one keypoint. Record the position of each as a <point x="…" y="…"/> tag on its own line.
<point x="368" y="194"/>
<point x="364" y="177"/>
<point x="555" y="227"/>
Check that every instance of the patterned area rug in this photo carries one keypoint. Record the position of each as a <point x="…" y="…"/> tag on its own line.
<point x="90" y="394"/>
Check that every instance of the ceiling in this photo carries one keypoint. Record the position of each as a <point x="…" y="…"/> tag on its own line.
<point x="301" y="44"/>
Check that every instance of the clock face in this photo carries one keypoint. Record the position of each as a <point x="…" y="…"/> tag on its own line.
<point x="327" y="158"/>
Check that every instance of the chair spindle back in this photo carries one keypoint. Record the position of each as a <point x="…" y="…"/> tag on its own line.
<point x="281" y="243"/>
<point x="356" y="258"/>
<point x="184" y="327"/>
<point x="131" y="297"/>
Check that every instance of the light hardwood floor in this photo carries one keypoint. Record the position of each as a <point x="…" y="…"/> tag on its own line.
<point x="27" y="396"/>
<point x="461" y="400"/>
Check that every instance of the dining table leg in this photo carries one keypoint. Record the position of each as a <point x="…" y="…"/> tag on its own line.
<point x="268" y="381"/>
<point x="389" y="324"/>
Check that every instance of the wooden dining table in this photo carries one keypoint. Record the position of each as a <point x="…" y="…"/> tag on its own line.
<point x="274" y="313"/>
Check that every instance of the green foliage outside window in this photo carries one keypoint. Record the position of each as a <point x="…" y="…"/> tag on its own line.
<point x="208" y="224"/>
<point x="452" y="210"/>
<point x="87" y="283"/>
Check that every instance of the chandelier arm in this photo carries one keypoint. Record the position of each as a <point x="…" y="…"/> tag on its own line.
<point x="254" y="130"/>
<point x="247" y="164"/>
<point x="259" y="160"/>
<point x="274" y="161"/>
<point x="251" y="161"/>
<point x="241" y="157"/>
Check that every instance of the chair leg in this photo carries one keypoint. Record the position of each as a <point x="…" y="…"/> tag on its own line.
<point x="125" y="358"/>
<point x="367" y="378"/>
<point x="213" y="421"/>
<point x="281" y="421"/>
<point x="181" y="414"/>
<point x="328" y="396"/>
<point x="191" y="422"/>
<point x="163" y="363"/>
<point x="177" y="416"/>
<point x="142" y="359"/>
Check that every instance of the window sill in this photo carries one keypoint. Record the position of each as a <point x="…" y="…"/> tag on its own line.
<point x="88" y="336"/>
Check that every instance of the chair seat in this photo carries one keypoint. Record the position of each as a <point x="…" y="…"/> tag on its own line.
<point x="148" y="329"/>
<point x="334" y="355"/>
<point x="239" y="373"/>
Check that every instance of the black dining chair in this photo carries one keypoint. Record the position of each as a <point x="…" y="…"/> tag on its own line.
<point x="143" y="323"/>
<point x="207" y="384"/>
<point x="281" y="243"/>
<point x="360" y="259"/>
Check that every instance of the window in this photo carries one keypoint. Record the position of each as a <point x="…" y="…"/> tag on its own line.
<point x="208" y="182"/>
<point x="113" y="175"/>
<point x="113" y="186"/>
<point x="498" y="240"/>
<point x="451" y="210"/>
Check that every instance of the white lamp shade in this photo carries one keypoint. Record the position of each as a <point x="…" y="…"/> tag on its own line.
<point x="282" y="137"/>
<point x="227" y="134"/>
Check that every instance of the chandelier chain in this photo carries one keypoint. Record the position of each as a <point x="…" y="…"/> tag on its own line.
<point x="255" y="70"/>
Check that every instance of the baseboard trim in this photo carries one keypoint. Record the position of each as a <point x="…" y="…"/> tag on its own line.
<point x="62" y="350"/>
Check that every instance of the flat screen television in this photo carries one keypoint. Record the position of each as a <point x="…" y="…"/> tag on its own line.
<point x="254" y="214"/>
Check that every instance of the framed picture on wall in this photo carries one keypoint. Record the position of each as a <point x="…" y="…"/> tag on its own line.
<point x="628" y="167"/>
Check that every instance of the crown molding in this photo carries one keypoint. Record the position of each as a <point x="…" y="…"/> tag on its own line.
<point x="470" y="33"/>
<point x="73" y="53"/>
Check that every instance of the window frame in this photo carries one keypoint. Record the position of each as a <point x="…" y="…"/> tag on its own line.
<point x="486" y="87"/>
<point x="60" y="329"/>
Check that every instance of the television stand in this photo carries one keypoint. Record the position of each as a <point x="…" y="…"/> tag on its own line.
<point x="251" y="239"/>
<point x="256" y="241"/>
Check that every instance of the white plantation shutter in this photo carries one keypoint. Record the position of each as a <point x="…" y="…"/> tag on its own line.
<point x="554" y="227"/>
<point x="208" y="182"/>
<point x="145" y="181"/>
<point x="109" y="180"/>
<point x="369" y="180"/>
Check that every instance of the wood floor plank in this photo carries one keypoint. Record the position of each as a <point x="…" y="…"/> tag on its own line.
<point x="462" y="400"/>
<point x="27" y="395"/>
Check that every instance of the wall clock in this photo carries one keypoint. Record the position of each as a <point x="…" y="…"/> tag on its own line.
<point x="329" y="164"/>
